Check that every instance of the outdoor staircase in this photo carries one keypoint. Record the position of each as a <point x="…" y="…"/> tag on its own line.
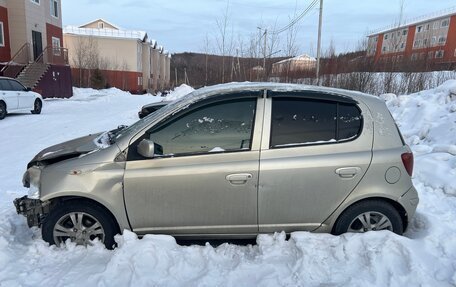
<point x="32" y="74"/>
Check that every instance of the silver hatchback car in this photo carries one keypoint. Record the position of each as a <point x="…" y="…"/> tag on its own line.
<point x="231" y="160"/>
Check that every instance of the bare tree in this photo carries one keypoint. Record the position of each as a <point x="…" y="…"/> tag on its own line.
<point x="206" y="52"/>
<point x="291" y="49"/>
<point x="86" y="56"/>
<point x="222" y="37"/>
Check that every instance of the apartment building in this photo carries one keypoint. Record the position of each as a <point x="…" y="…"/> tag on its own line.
<point x="430" y="39"/>
<point x="31" y="41"/>
<point x="127" y="59"/>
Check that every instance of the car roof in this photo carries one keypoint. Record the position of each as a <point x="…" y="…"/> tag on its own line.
<point x="215" y="90"/>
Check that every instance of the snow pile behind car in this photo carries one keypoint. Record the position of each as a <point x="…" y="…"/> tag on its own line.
<point x="179" y="92"/>
<point x="425" y="256"/>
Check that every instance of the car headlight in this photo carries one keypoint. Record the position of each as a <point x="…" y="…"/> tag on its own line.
<point x="32" y="180"/>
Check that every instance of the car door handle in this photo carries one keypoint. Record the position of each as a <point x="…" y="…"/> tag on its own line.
<point x="238" y="178"/>
<point x="348" y="172"/>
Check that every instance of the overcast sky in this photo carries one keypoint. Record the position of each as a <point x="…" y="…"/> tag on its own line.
<point x="183" y="25"/>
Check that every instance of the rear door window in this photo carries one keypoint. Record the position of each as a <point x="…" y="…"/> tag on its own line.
<point x="301" y="121"/>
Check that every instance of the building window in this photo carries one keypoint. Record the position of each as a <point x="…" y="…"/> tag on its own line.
<point x="430" y="55"/>
<point x="55" y="8"/>
<point x="36" y="1"/>
<point x="445" y="23"/>
<point x="427" y="27"/>
<point x="417" y="44"/>
<point x="2" y="35"/>
<point x="100" y="25"/>
<point x="419" y="29"/>
<point x="425" y="42"/>
<point x="56" y="46"/>
<point x="384" y="49"/>
<point x="442" y="40"/>
<point x="414" y="56"/>
<point x="433" y="40"/>
<point x="386" y="36"/>
<point x="402" y="45"/>
<point x="404" y="33"/>
<point x="436" y="25"/>
<point x="439" y="54"/>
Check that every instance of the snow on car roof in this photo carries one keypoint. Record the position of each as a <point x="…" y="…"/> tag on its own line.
<point x="275" y="87"/>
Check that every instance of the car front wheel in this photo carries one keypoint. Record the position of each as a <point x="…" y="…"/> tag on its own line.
<point x="369" y="215"/>
<point x="80" y="222"/>
<point x="37" y="106"/>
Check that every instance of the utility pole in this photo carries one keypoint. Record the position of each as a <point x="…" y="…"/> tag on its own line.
<point x="319" y="42"/>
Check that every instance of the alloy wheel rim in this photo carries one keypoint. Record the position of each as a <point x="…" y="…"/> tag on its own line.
<point x="79" y="227"/>
<point x="370" y="221"/>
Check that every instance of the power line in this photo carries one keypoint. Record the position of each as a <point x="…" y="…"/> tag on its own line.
<point x="297" y="19"/>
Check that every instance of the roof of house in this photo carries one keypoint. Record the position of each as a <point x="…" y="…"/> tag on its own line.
<point x="415" y="21"/>
<point x="106" y="32"/>
<point x="303" y="57"/>
<point x="103" y="20"/>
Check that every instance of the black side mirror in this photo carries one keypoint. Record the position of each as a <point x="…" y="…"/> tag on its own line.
<point x="28" y="89"/>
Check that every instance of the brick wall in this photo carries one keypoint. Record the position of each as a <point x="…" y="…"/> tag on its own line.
<point x="5" y="51"/>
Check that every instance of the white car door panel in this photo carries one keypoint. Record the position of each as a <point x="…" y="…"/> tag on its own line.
<point x="25" y="98"/>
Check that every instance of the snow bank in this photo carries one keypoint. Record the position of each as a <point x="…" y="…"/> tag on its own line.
<point x="428" y="123"/>
<point x="179" y="92"/>
<point x="425" y="256"/>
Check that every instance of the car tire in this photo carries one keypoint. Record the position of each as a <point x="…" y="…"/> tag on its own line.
<point x="369" y="215"/>
<point x="3" y="111"/>
<point x="81" y="222"/>
<point x="37" y="106"/>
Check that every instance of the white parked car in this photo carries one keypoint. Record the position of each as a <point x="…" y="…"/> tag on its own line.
<point x="14" y="97"/>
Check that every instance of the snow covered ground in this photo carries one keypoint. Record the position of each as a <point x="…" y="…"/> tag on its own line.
<point x="425" y="256"/>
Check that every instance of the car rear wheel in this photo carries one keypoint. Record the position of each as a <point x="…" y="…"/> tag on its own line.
<point x="37" y="106"/>
<point x="369" y="215"/>
<point x="80" y="222"/>
<point x="2" y="110"/>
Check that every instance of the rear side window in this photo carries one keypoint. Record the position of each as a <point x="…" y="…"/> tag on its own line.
<point x="300" y="121"/>
<point x="349" y="121"/>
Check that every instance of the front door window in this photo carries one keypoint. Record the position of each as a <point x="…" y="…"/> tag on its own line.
<point x="218" y="127"/>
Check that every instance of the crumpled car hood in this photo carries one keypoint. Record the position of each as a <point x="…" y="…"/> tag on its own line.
<point x="65" y="150"/>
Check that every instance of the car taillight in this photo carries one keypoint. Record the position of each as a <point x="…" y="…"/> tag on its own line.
<point x="407" y="160"/>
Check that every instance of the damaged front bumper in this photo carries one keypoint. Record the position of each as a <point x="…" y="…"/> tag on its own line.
<point x="33" y="209"/>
